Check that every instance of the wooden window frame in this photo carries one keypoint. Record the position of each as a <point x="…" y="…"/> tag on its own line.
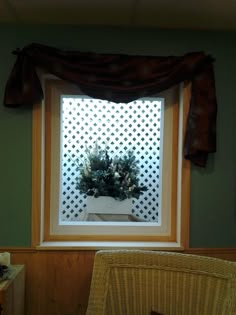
<point x="178" y="238"/>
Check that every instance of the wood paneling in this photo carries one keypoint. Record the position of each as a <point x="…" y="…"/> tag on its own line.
<point x="58" y="282"/>
<point x="222" y="253"/>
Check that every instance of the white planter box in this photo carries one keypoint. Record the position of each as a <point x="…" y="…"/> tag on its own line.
<point x="108" y="205"/>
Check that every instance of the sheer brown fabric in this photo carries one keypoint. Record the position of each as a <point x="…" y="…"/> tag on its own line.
<point x="123" y="78"/>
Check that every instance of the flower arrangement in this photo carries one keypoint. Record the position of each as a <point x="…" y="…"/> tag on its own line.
<point x="101" y="175"/>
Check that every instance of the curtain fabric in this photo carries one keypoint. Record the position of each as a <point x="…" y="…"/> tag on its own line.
<point x="124" y="78"/>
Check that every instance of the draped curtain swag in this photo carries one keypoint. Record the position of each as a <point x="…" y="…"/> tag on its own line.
<point x="124" y="78"/>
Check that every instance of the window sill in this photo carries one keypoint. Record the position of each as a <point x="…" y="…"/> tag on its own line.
<point x="109" y="245"/>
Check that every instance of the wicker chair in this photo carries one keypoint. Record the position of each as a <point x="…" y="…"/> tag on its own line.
<point x="133" y="282"/>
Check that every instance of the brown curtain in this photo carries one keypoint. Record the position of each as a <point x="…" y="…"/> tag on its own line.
<point x="123" y="78"/>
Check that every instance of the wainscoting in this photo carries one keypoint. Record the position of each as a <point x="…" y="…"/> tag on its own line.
<point x="58" y="282"/>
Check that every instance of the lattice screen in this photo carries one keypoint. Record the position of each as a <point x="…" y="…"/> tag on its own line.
<point x="119" y="127"/>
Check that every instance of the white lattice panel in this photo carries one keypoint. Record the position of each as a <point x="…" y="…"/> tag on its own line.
<point x="119" y="127"/>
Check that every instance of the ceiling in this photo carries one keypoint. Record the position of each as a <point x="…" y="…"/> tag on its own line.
<point x="178" y="14"/>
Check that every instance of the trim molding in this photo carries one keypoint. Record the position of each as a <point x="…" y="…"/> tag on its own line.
<point x="18" y="249"/>
<point x="195" y="251"/>
<point x="219" y="250"/>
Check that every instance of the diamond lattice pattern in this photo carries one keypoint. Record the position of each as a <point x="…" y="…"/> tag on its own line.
<point x="118" y="127"/>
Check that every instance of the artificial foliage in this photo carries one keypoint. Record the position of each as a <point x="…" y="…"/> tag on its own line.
<point x="102" y="175"/>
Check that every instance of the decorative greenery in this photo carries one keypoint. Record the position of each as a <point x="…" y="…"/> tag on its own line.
<point x="101" y="175"/>
<point x="4" y="272"/>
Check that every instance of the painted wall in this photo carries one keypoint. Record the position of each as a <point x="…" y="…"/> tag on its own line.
<point x="213" y="190"/>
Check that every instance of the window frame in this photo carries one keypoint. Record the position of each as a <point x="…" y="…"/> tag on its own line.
<point x="180" y="175"/>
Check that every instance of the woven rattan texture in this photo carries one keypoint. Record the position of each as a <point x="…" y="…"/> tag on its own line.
<point x="132" y="282"/>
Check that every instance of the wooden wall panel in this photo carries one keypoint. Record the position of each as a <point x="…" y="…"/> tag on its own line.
<point x="58" y="282"/>
<point x="221" y="253"/>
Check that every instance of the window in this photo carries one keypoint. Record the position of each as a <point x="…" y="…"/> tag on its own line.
<point x="152" y="128"/>
<point x="85" y="123"/>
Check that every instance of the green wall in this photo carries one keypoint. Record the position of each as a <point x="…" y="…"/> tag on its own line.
<point x="213" y="190"/>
